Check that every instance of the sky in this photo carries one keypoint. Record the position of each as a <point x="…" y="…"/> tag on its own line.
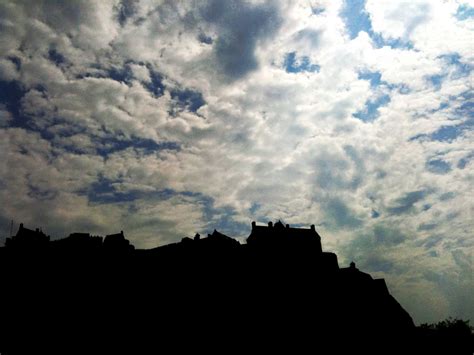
<point x="167" y="118"/>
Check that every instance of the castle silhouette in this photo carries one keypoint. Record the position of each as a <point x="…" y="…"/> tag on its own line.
<point x="278" y="292"/>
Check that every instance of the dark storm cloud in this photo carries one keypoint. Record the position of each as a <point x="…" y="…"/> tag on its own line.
<point x="240" y="26"/>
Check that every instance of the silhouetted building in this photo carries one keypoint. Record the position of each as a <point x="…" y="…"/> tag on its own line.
<point x="78" y="242"/>
<point x="117" y="242"/>
<point x="284" y="241"/>
<point x="218" y="238"/>
<point x="275" y="235"/>
<point x="28" y="239"/>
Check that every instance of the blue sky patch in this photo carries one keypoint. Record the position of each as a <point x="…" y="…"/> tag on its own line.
<point x="464" y="12"/>
<point x="406" y="203"/>
<point x="114" y="144"/>
<point x="464" y="161"/>
<point x="466" y="110"/>
<point x="371" y="110"/>
<point x="103" y="192"/>
<point x="56" y="57"/>
<point x="254" y="208"/>
<point x="156" y="85"/>
<point x="188" y="99"/>
<point x="341" y="215"/>
<point x="452" y="132"/>
<point x="124" y="75"/>
<point x="121" y="74"/>
<point x="357" y="19"/>
<point x="438" y="166"/>
<point x="41" y="194"/>
<point x="373" y="77"/>
<point x="447" y="133"/>
<point x="436" y="80"/>
<point x="220" y="218"/>
<point x="380" y="42"/>
<point x="293" y="64"/>
<point x="11" y="93"/>
<point x="461" y="69"/>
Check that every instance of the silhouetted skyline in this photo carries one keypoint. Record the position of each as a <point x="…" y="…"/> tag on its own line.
<point x="280" y="286"/>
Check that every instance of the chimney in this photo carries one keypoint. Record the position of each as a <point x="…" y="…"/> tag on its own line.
<point x="287" y="226"/>
<point x="313" y="228"/>
<point x="21" y="225"/>
<point x="253" y="224"/>
<point x="197" y="236"/>
<point x="270" y="224"/>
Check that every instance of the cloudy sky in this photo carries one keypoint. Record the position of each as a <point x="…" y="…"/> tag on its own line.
<point x="166" y="118"/>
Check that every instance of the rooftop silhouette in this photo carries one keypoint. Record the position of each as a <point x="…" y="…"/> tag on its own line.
<point x="278" y="292"/>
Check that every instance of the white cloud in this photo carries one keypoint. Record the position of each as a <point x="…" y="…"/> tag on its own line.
<point x="140" y="72"/>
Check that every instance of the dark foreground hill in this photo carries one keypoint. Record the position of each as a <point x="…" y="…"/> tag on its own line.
<point x="278" y="293"/>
